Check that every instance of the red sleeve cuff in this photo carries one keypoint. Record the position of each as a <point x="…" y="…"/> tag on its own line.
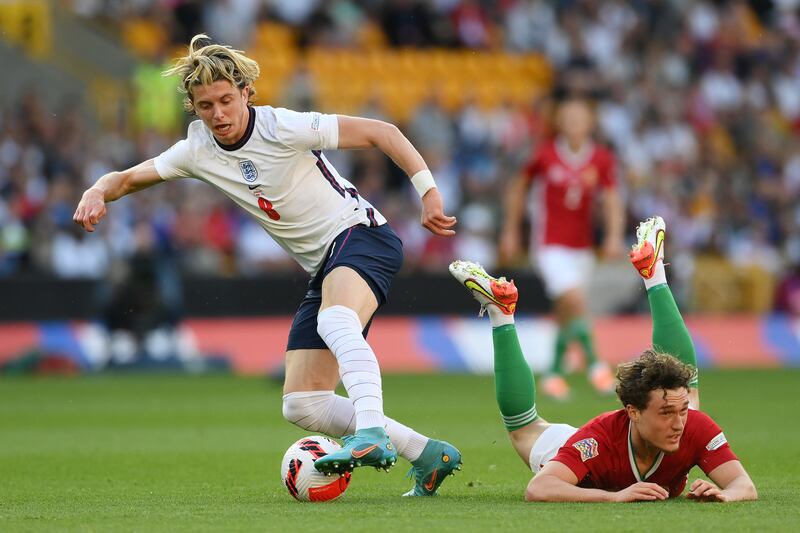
<point x="721" y="456"/>
<point x="576" y="465"/>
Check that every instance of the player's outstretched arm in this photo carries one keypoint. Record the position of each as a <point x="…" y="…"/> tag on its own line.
<point x="110" y="187"/>
<point x="732" y="484"/>
<point x="557" y="483"/>
<point x="357" y="132"/>
<point x="614" y="212"/>
<point x="514" y="208"/>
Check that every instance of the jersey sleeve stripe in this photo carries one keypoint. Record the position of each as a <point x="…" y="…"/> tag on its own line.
<point x="326" y="173"/>
<point x="371" y="216"/>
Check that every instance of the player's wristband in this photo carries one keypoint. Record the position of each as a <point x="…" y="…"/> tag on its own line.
<point x="423" y="182"/>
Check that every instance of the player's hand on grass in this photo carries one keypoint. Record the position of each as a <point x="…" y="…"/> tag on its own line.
<point x="91" y="209"/>
<point x="433" y="217"/>
<point x="642" y="491"/>
<point x="705" y="491"/>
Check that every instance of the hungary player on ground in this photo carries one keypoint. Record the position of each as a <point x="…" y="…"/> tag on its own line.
<point x="641" y="452"/>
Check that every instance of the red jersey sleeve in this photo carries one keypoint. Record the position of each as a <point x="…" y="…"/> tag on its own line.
<point x="607" y="167"/>
<point x="585" y="445"/>
<point x="536" y="165"/>
<point x="709" y="442"/>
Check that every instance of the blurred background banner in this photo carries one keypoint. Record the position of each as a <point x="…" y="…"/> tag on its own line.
<point x="408" y="345"/>
<point x="700" y="102"/>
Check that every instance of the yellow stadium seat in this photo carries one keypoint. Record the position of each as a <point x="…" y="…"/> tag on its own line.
<point x="403" y="78"/>
<point x="273" y="36"/>
<point x="144" y="37"/>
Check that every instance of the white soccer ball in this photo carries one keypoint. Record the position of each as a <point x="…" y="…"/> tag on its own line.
<point x="302" y="480"/>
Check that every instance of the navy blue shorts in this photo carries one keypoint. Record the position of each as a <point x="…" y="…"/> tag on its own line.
<point x="375" y="253"/>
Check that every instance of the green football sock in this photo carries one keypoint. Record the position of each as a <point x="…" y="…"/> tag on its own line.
<point x="669" y="331"/>
<point x="582" y="331"/>
<point x="562" y="341"/>
<point x="513" y="381"/>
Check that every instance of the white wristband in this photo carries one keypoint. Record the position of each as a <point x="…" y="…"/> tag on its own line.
<point x="423" y="182"/>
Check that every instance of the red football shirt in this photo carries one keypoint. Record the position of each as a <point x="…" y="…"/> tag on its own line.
<point x="600" y="453"/>
<point x="571" y="181"/>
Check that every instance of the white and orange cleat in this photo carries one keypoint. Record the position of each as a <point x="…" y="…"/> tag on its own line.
<point x="485" y="288"/>
<point x="601" y="378"/>
<point x="555" y="386"/>
<point x="649" y="248"/>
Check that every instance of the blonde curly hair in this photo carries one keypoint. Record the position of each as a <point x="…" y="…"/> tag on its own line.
<point x="207" y="62"/>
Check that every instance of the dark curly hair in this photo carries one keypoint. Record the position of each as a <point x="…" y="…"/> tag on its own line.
<point x="651" y="371"/>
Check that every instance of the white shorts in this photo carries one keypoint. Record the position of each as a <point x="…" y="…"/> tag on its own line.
<point x="563" y="268"/>
<point x="547" y="445"/>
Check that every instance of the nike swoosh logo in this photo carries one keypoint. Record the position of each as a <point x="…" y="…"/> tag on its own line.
<point x="253" y="187"/>
<point x="358" y="454"/>
<point x="474" y="286"/>
<point x="659" y="243"/>
<point x="432" y="483"/>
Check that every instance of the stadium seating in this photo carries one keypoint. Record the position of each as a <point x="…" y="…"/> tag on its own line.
<point x="346" y="79"/>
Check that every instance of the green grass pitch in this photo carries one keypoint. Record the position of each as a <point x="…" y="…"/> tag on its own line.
<point x="169" y="453"/>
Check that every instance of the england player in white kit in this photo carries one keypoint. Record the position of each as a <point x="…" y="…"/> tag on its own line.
<point x="270" y="162"/>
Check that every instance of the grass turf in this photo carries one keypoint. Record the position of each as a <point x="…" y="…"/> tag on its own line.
<point x="167" y="453"/>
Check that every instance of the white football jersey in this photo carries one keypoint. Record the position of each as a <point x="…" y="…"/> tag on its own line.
<point x="279" y="175"/>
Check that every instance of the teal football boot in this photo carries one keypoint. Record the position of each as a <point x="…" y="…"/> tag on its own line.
<point x="438" y="460"/>
<point x="368" y="447"/>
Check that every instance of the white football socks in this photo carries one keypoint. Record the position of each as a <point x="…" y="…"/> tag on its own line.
<point x="497" y="317"/>
<point x="340" y="328"/>
<point x="325" y="412"/>
<point x="659" y="276"/>
<point x="408" y="442"/>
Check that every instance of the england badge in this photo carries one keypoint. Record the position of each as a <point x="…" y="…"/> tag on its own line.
<point x="249" y="171"/>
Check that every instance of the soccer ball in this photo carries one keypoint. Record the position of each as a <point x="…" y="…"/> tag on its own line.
<point x="306" y="483"/>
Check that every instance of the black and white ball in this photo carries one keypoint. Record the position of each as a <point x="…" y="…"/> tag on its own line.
<point x="302" y="480"/>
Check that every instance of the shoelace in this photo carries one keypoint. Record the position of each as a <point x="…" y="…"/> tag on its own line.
<point x="411" y="473"/>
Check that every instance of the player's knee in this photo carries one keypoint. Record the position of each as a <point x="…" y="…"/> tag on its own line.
<point x="293" y="407"/>
<point x="572" y="303"/>
<point x="306" y="409"/>
<point x="337" y="318"/>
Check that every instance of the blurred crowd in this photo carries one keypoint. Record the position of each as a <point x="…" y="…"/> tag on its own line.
<point x="700" y="101"/>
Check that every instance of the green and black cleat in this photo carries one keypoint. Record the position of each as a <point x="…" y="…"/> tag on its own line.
<point x="438" y="460"/>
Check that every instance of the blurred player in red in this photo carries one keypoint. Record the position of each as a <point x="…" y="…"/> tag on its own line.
<point x="643" y="451"/>
<point x="573" y="171"/>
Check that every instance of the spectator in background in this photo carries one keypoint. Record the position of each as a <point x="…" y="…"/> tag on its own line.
<point x="231" y="21"/>
<point x="143" y="310"/>
<point x="787" y="296"/>
<point x="476" y="238"/>
<point x="431" y="127"/>
<point x="472" y="24"/>
<point x="75" y="256"/>
<point x="407" y="23"/>
<point x="156" y="107"/>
